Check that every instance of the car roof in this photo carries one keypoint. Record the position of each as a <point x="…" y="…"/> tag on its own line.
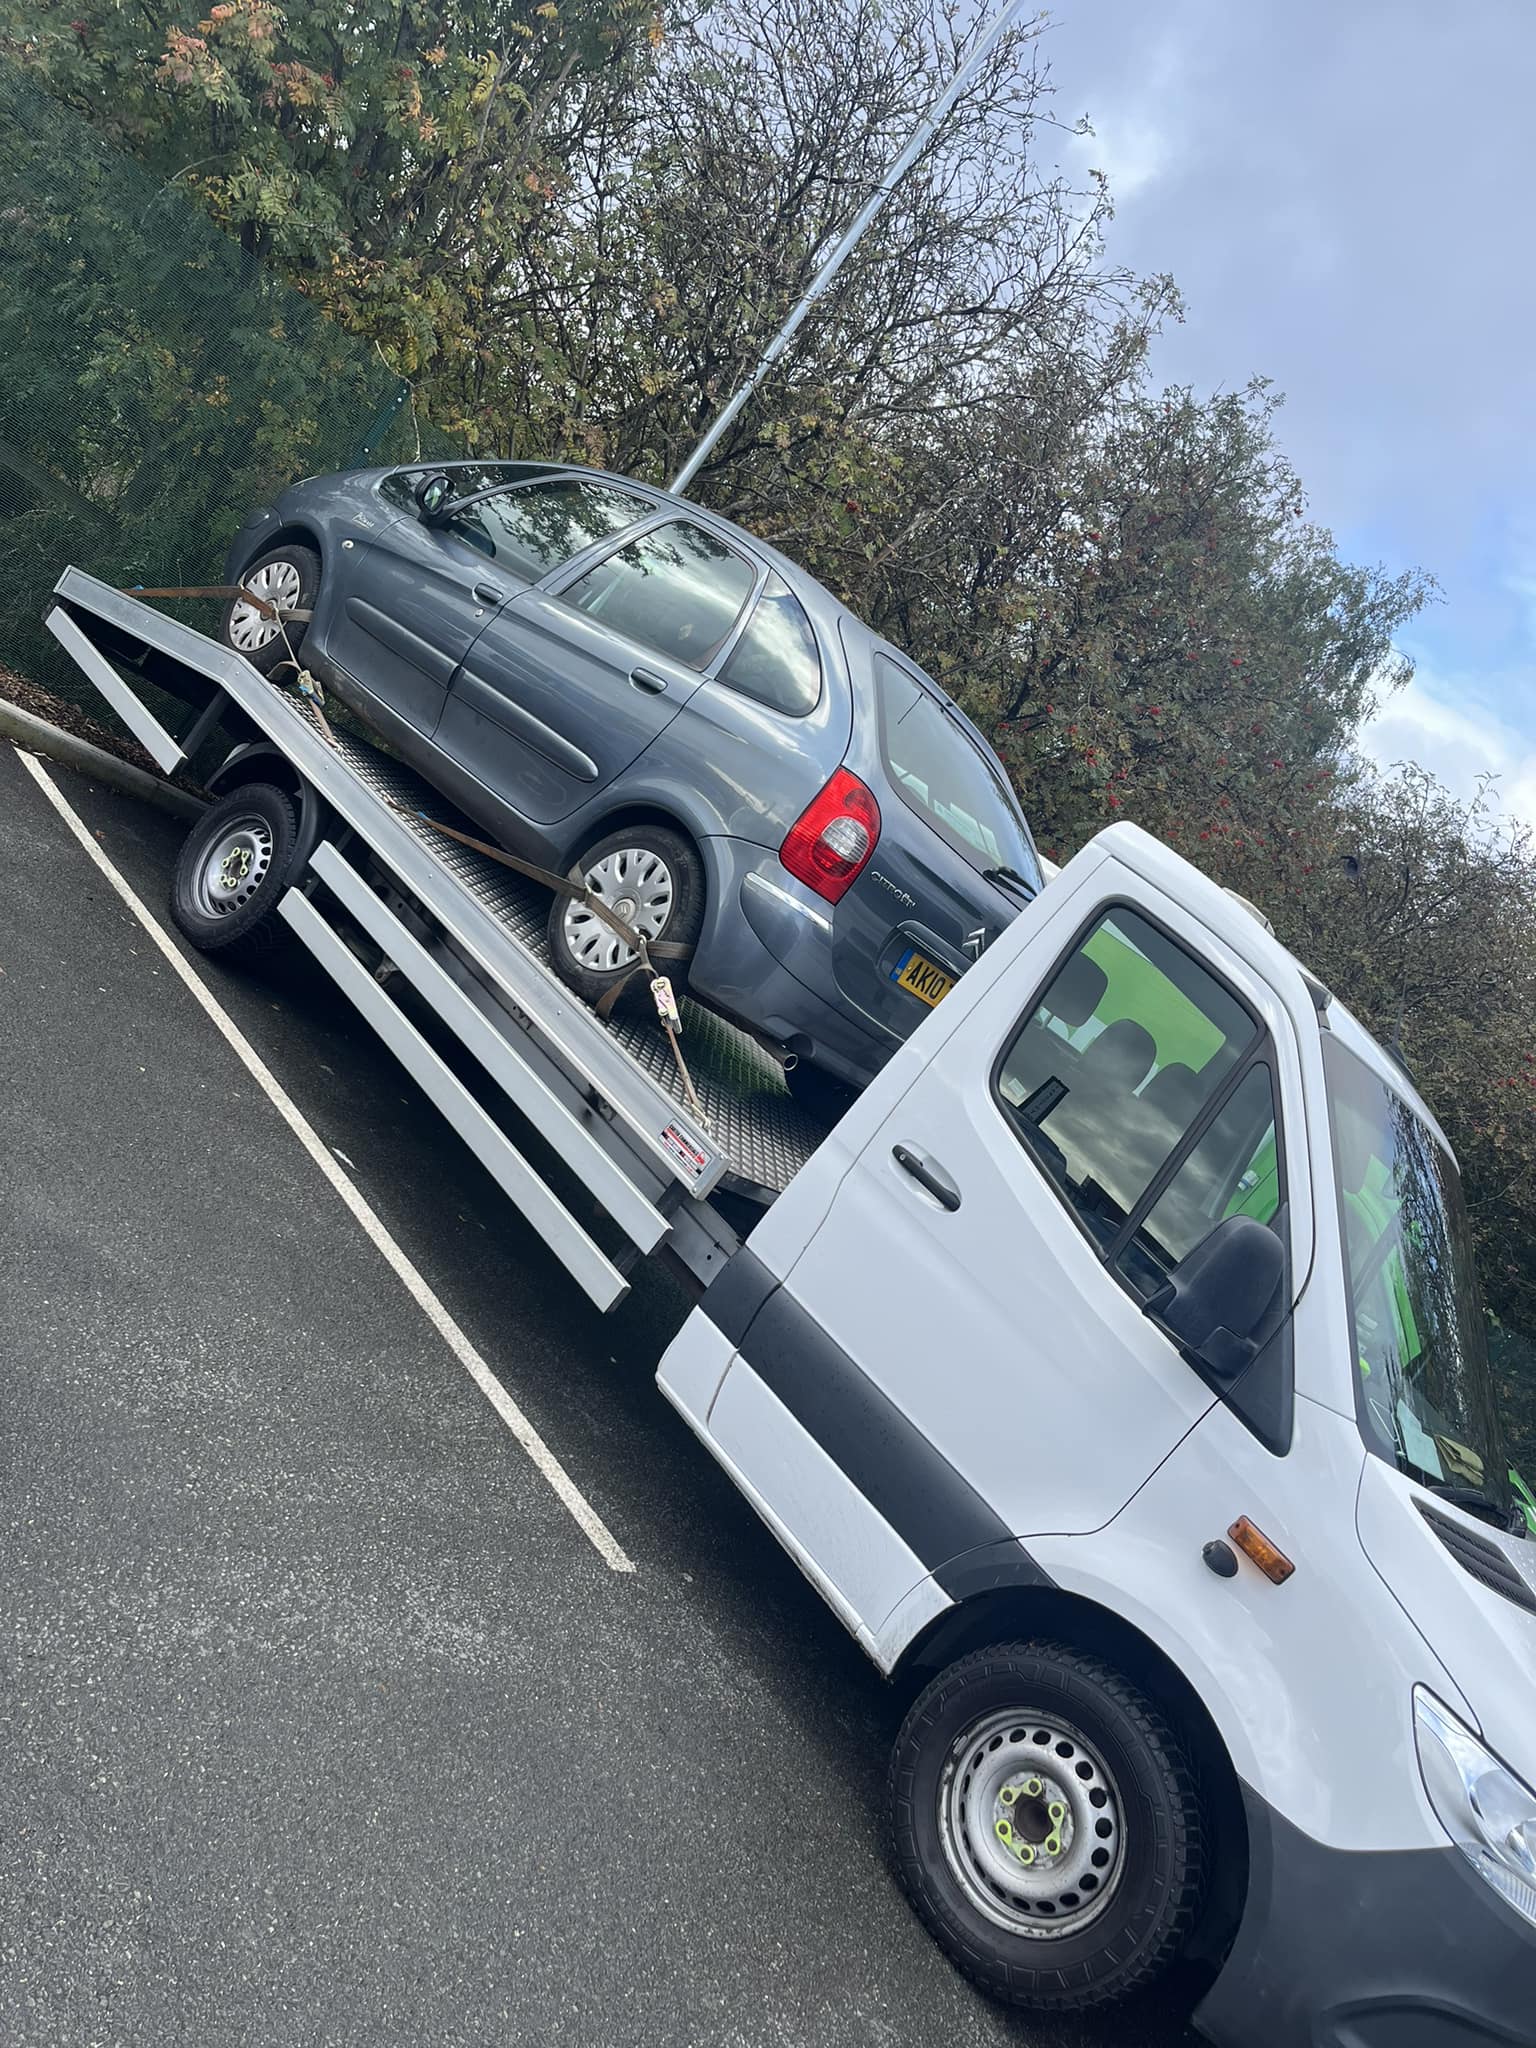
<point x="812" y="593"/>
<point x="830" y="613"/>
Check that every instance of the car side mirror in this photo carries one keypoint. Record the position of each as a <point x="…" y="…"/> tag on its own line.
<point x="1217" y="1299"/>
<point x="434" y="494"/>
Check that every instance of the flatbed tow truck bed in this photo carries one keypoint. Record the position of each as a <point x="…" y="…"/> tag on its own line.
<point x="466" y="935"/>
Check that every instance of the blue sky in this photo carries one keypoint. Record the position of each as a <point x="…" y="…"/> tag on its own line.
<point x="1345" y="194"/>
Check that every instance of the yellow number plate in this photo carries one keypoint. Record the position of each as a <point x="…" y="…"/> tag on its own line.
<point x="920" y="978"/>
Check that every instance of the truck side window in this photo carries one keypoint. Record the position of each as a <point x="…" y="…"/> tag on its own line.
<point x="1128" y="1043"/>
<point x="1232" y="1169"/>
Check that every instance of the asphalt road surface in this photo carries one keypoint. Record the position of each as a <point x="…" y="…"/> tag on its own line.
<point x="322" y="1721"/>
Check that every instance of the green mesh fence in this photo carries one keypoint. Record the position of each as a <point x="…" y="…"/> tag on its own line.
<point x="155" y="383"/>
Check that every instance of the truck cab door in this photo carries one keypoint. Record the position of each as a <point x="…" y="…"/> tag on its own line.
<point x="953" y="1352"/>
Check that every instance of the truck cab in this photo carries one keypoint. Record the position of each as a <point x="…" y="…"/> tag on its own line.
<point x="1115" y="1369"/>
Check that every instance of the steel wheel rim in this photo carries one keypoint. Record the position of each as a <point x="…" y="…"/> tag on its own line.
<point x="1032" y="1824"/>
<point x="280" y="584"/>
<point x="234" y="867"/>
<point x="637" y="885"/>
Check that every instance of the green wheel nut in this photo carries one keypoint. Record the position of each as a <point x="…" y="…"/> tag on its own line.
<point x="1052" y="1845"/>
<point x="1033" y="1787"/>
<point x="1004" y="1832"/>
<point x="1026" y="1852"/>
<point x="1009" y="1794"/>
<point x="1057" y="1811"/>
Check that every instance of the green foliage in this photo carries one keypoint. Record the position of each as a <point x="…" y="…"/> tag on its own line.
<point x="155" y="386"/>
<point x="389" y="161"/>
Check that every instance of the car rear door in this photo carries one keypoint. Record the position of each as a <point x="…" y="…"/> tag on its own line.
<point x="922" y="909"/>
<point x="572" y="680"/>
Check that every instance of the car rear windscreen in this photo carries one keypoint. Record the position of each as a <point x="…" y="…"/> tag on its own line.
<point x="941" y="774"/>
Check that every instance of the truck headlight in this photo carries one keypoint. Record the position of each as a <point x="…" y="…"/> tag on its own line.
<point x="1485" y="1809"/>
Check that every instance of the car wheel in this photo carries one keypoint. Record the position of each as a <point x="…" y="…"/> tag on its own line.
<point x="1047" y="1827"/>
<point x="232" y="871"/>
<point x="289" y="577"/>
<point x="653" y="879"/>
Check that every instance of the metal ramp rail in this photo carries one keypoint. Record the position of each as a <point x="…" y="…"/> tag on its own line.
<point x="467" y="936"/>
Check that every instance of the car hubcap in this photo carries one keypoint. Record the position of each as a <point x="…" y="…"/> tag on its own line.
<point x="637" y="886"/>
<point x="234" y="867"/>
<point x="280" y="584"/>
<point x="1031" y="1824"/>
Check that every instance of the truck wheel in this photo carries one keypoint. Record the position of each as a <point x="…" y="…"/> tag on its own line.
<point x="647" y="875"/>
<point x="288" y="576"/>
<point x="1047" y="1827"/>
<point x="232" y="869"/>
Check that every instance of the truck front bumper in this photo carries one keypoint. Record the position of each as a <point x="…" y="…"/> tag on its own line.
<point x="1387" y="1949"/>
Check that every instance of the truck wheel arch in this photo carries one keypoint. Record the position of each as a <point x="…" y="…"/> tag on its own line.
<point x="1040" y="1610"/>
<point x="260" y="761"/>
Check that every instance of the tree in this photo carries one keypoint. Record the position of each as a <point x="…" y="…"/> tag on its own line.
<point x="388" y="162"/>
<point x="152" y="393"/>
<point x="1189" y="644"/>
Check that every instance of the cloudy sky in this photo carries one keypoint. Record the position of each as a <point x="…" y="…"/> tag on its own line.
<point x="1345" y="193"/>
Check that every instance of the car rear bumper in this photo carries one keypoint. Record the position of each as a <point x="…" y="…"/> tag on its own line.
<point x="764" y="949"/>
<point x="1386" y="1949"/>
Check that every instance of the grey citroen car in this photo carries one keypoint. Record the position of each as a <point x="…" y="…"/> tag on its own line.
<point x="601" y="673"/>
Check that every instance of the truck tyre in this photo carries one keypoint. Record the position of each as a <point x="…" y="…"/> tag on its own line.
<point x="232" y="870"/>
<point x="652" y="878"/>
<point x="287" y="576"/>
<point x="1047" y="1827"/>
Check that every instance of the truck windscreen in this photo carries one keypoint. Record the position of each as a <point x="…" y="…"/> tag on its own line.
<point x="1424" y="1390"/>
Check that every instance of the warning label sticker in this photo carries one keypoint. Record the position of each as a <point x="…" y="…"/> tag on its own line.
<point x="685" y="1151"/>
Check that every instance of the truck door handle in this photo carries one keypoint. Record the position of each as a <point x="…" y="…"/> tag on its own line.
<point x="643" y="679"/>
<point x="490" y="593"/>
<point x="928" y="1174"/>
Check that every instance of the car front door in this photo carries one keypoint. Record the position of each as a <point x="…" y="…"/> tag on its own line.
<point x="418" y="596"/>
<point x="958" y="1355"/>
<point x="570" y="682"/>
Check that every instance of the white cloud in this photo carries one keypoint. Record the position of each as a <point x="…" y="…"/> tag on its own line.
<point x="1442" y="727"/>
<point x="1132" y="142"/>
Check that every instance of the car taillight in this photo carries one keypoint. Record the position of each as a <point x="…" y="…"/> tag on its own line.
<point x="831" y="840"/>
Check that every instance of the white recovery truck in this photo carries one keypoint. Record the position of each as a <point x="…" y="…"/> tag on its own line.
<point x="1114" y="1368"/>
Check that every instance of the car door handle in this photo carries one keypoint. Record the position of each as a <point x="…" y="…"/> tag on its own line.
<point x="644" y="679"/>
<point x="490" y="593"/>
<point x="928" y="1174"/>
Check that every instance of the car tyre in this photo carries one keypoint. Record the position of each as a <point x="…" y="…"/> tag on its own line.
<point x="231" y="873"/>
<point x="659" y="876"/>
<point x="1041" y="1749"/>
<point x="287" y="576"/>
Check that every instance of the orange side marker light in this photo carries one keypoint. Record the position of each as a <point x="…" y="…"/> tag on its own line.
<point x="1254" y="1544"/>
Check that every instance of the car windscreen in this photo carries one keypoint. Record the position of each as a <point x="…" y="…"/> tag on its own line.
<point x="1424" y="1390"/>
<point x="940" y="773"/>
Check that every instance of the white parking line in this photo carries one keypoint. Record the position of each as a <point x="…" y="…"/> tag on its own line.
<point x="570" y="1495"/>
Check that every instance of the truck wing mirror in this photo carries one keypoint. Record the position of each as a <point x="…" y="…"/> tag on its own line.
<point x="1218" y="1298"/>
